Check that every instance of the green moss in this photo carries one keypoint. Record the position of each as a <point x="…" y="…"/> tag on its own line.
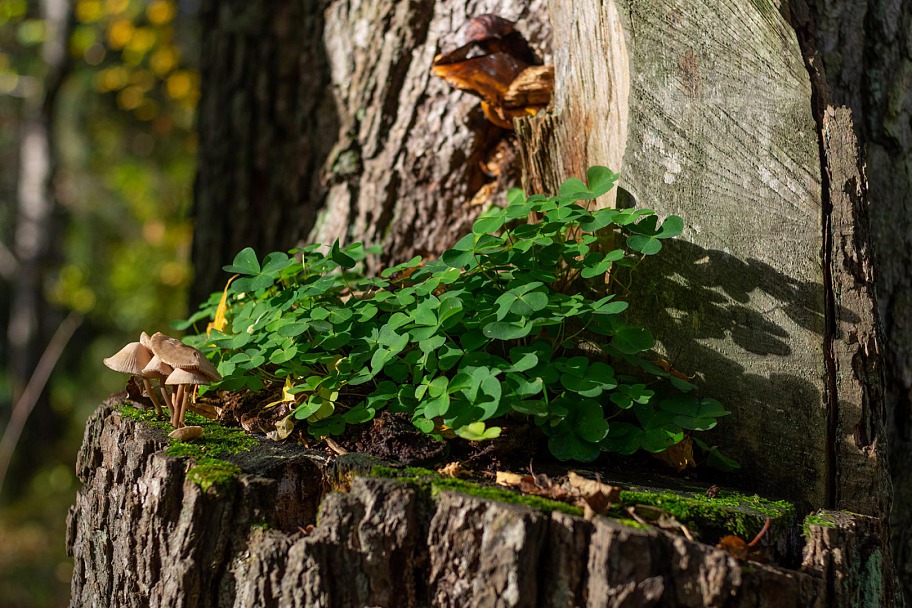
<point x="434" y="483"/>
<point x="216" y="439"/>
<point x="632" y="523"/>
<point x="730" y="511"/>
<point x="816" y="519"/>
<point x="871" y="591"/>
<point x="147" y="416"/>
<point x="209" y="472"/>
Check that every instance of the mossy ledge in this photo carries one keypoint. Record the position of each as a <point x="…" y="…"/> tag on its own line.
<point x="208" y="470"/>
<point x="217" y="440"/>
<point x="434" y="483"/>
<point x="818" y="518"/>
<point x="729" y="512"/>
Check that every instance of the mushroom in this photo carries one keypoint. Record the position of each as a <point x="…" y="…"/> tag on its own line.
<point x="132" y="359"/>
<point x="158" y="370"/>
<point x="186" y="433"/>
<point x="184" y="379"/>
<point x="179" y="355"/>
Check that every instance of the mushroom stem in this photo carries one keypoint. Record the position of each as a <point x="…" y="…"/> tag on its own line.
<point x="148" y="386"/>
<point x="184" y="401"/>
<point x="166" y="395"/>
<point x="178" y="397"/>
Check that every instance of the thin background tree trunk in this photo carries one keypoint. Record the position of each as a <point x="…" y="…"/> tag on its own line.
<point x="35" y="245"/>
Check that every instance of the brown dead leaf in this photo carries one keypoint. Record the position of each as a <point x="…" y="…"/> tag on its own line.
<point x="679" y="456"/>
<point x="734" y="546"/>
<point x="590" y="487"/>
<point x="740" y="548"/>
<point x="596" y="497"/>
<point x="664" y="364"/>
<point x="454" y="469"/>
<point x="206" y="410"/>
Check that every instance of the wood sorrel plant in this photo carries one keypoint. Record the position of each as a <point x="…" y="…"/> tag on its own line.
<point x="515" y="321"/>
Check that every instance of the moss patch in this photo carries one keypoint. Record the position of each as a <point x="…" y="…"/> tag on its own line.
<point x="209" y="472"/>
<point x="816" y="519"/>
<point x="216" y="439"/>
<point x="731" y="512"/>
<point x="434" y="483"/>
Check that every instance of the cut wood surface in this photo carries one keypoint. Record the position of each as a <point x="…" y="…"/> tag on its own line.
<point x="710" y="106"/>
<point x="143" y="533"/>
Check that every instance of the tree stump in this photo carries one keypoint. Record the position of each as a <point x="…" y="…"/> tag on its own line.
<point x="295" y="528"/>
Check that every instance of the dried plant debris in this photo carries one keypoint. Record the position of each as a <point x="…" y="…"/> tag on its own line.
<point x="497" y="64"/>
<point x="740" y="548"/>
<point x="593" y="496"/>
<point x="679" y="456"/>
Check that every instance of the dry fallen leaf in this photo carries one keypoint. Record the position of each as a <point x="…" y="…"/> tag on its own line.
<point x="596" y="497"/>
<point x="664" y="364"/>
<point x="679" y="456"/>
<point x="590" y="487"/>
<point x="206" y="410"/>
<point x="734" y="546"/>
<point x="283" y="428"/>
<point x="511" y="480"/>
<point x="454" y="469"/>
<point x="741" y="549"/>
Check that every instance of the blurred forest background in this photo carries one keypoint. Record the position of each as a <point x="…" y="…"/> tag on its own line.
<point x="97" y="154"/>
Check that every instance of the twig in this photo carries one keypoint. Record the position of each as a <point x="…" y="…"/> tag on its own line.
<point x="760" y="534"/>
<point x="335" y="447"/>
<point x="26" y="403"/>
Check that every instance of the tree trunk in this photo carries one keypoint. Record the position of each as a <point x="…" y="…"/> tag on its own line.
<point x="865" y="53"/>
<point x="35" y="241"/>
<point x="144" y="533"/>
<point x="315" y="127"/>
<point x="738" y="116"/>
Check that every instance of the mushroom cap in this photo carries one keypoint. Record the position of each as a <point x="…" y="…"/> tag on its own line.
<point x="179" y="355"/>
<point x="187" y="376"/>
<point x="486" y="27"/>
<point x="157" y="368"/>
<point x="186" y="433"/>
<point x="131" y="359"/>
<point x="145" y="340"/>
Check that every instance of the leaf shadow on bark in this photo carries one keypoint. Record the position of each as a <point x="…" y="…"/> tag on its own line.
<point x="730" y="321"/>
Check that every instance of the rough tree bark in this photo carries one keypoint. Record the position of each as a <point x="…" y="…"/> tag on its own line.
<point x="320" y="120"/>
<point x="866" y="51"/>
<point x="144" y="534"/>
<point x="739" y="116"/>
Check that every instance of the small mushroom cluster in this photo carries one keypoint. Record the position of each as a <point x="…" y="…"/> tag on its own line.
<point x="170" y="363"/>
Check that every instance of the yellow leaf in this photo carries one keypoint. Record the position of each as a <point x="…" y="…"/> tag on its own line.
<point x="220" y="321"/>
<point x="505" y="478"/>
